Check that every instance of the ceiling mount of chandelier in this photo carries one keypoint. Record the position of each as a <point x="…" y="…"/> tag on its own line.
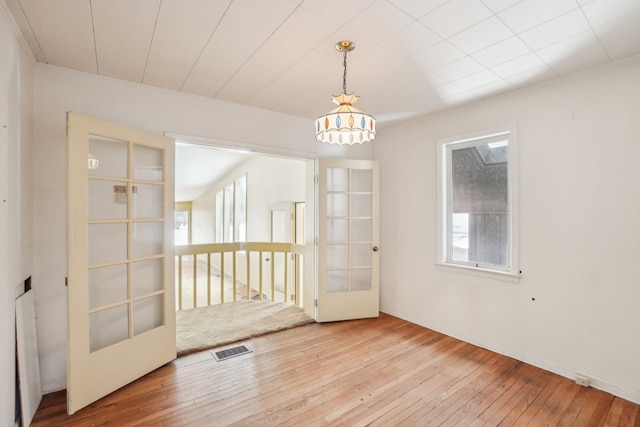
<point x="345" y="124"/>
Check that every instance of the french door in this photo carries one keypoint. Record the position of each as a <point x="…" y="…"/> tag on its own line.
<point x="348" y="238"/>
<point x="121" y="321"/>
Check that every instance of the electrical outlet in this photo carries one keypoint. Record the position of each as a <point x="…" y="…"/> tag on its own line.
<point x="582" y="380"/>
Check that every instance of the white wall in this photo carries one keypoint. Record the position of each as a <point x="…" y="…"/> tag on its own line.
<point x="57" y="91"/>
<point x="579" y="211"/>
<point x="203" y="218"/>
<point x="15" y="198"/>
<point x="270" y="180"/>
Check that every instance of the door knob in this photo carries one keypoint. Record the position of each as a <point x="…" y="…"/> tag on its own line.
<point x="375" y="249"/>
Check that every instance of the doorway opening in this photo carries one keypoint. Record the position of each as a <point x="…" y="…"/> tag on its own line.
<point x="226" y="197"/>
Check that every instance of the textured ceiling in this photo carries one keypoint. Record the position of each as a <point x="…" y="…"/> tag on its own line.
<point x="413" y="57"/>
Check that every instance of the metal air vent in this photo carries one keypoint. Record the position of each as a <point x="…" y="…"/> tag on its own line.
<point x="228" y="353"/>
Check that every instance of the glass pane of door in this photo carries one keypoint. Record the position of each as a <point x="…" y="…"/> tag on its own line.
<point x="337" y="230"/>
<point x="147" y="163"/>
<point x="147" y="201"/>
<point x="107" y="243"/>
<point x="125" y="211"/>
<point x="337" y="179"/>
<point x="148" y="314"/>
<point x="337" y="281"/>
<point x="348" y="228"/>
<point x="107" y="285"/>
<point x="109" y="157"/>
<point x="147" y="276"/>
<point x="147" y="239"/>
<point x="348" y="256"/>
<point x="107" y="200"/>
<point x="361" y="180"/>
<point x="108" y="327"/>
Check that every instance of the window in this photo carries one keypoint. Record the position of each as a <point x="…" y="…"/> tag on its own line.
<point x="241" y="209"/>
<point x="219" y="224"/>
<point x="231" y="212"/>
<point x="476" y="200"/>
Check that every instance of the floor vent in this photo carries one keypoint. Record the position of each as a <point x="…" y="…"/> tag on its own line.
<point x="230" y="352"/>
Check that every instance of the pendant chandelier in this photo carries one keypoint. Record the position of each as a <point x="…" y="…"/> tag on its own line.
<point x="345" y="124"/>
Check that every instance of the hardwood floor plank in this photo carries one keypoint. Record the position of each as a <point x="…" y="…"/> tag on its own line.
<point x="350" y="377"/>
<point x="388" y="372"/>
<point x="462" y="375"/>
<point x="408" y="386"/>
<point x="493" y="378"/>
<point x="614" y="415"/>
<point x="496" y="409"/>
<point x="464" y="392"/>
<point x="570" y="415"/>
<point x="521" y="401"/>
<point x="528" y="410"/>
<point x="554" y="406"/>
<point x="488" y="393"/>
<point x="377" y="372"/>
<point x="324" y="367"/>
<point x="594" y="410"/>
<point x="421" y="364"/>
<point x="630" y="413"/>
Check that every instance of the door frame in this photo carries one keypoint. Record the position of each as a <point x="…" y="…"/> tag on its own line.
<point x="310" y="275"/>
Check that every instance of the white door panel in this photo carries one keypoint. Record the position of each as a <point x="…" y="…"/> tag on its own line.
<point x="120" y="272"/>
<point x="347" y="227"/>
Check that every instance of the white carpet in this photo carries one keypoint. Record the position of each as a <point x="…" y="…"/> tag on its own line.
<point x="207" y="327"/>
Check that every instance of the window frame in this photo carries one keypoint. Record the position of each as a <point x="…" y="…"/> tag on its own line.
<point x="218" y="217"/>
<point x="230" y="216"/>
<point x="240" y="209"/>
<point x="229" y="212"/>
<point x="445" y="146"/>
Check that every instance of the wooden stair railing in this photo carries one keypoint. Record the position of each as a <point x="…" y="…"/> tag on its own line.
<point x="217" y="255"/>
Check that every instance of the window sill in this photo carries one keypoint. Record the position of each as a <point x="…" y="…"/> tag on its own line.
<point x="480" y="272"/>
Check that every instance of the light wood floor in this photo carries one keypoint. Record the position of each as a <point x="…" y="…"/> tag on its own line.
<point x="381" y="371"/>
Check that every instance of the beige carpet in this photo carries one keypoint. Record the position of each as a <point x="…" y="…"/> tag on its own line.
<point x="207" y="327"/>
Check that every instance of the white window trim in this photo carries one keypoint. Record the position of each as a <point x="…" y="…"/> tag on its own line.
<point x="237" y="210"/>
<point x="512" y="273"/>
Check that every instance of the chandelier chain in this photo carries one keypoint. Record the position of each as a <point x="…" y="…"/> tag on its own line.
<point x="344" y="76"/>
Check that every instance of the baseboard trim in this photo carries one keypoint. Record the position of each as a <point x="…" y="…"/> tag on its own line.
<point x="54" y="384"/>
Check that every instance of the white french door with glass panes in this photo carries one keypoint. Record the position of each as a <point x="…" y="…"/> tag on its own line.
<point x="348" y="233"/>
<point x="121" y="262"/>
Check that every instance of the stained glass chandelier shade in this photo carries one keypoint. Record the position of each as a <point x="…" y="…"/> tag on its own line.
<point x="345" y="124"/>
